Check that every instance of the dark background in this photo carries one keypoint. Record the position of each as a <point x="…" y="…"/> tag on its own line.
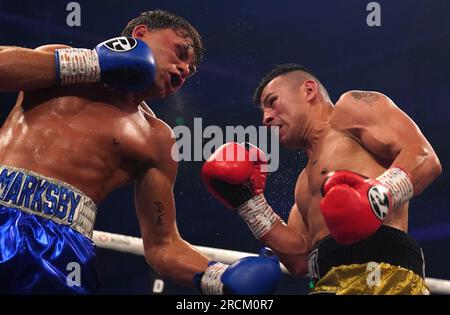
<point x="407" y="58"/>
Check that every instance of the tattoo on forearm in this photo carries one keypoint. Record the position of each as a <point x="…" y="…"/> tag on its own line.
<point x="160" y="213"/>
<point x="366" y="97"/>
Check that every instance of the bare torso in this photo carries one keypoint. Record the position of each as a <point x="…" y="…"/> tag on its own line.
<point x="83" y="136"/>
<point x="337" y="150"/>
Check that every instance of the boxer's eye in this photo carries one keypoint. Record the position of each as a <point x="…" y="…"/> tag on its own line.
<point x="182" y="52"/>
<point x="272" y="101"/>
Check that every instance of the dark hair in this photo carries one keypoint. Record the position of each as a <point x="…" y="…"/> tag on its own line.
<point x="159" y="19"/>
<point x="275" y="72"/>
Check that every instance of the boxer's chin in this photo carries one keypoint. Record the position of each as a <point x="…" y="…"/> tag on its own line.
<point x="289" y="143"/>
<point x="284" y="140"/>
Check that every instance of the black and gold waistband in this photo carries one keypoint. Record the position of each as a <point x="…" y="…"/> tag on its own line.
<point x="388" y="245"/>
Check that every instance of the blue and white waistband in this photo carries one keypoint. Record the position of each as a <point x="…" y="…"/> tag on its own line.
<point x="48" y="198"/>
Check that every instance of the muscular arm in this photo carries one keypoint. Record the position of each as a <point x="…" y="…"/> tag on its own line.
<point x="386" y="131"/>
<point x="27" y="69"/>
<point x="164" y="249"/>
<point x="291" y="243"/>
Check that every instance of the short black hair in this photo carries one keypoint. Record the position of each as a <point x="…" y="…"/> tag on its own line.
<point x="275" y="72"/>
<point x="160" y="19"/>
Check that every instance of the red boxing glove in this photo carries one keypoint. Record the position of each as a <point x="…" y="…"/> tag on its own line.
<point x="355" y="206"/>
<point x="235" y="174"/>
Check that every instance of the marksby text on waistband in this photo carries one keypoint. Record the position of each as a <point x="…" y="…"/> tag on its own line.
<point x="37" y="194"/>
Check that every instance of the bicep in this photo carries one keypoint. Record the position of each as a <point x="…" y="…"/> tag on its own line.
<point x="27" y="69"/>
<point x="155" y="205"/>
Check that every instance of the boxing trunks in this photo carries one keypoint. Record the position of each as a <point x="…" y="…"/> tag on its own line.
<point x="389" y="262"/>
<point x="46" y="228"/>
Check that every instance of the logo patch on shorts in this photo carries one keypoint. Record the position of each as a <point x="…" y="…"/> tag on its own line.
<point x="379" y="201"/>
<point x="313" y="265"/>
<point x="120" y="44"/>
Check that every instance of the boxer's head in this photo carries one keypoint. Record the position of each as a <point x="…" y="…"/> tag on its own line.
<point x="176" y="45"/>
<point x="287" y="96"/>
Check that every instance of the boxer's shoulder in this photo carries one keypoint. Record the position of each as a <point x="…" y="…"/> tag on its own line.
<point x="356" y="101"/>
<point x="158" y="142"/>
<point x="357" y="108"/>
<point x="161" y="132"/>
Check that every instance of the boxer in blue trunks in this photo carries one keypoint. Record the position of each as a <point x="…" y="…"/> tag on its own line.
<point x="79" y="130"/>
<point x="45" y="225"/>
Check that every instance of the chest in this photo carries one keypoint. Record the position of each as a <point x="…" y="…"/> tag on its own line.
<point x="125" y="134"/>
<point x="335" y="151"/>
<point x="81" y="128"/>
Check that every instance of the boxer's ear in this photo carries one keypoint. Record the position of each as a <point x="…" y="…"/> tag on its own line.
<point x="311" y="89"/>
<point x="139" y="31"/>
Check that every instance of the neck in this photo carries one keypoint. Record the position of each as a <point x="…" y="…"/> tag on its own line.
<point x="319" y="123"/>
<point x="133" y="101"/>
<point x="146" y="95"/>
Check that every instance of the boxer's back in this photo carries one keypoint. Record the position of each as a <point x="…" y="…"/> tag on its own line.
<point x="84" y="136"/>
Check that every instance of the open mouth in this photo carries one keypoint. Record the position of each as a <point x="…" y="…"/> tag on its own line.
<point x="175" y="80"/>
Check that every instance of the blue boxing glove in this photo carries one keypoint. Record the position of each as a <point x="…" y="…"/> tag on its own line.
<point x="124" y="63"/>
<point x="258" y="275"/>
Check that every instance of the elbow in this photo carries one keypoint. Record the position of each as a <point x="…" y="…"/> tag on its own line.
<point x="436" y="167"/>
<point x="165" y="260"/>
<point x="433" y="164"/>
<point x="296" y="264"/>
<point x="152" y="258"/>
<point x="298" y="270"/>
<point x="431" y="167"/>
<point x="156" y="257"/>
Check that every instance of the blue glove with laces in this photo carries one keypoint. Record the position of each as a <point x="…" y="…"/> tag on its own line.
<point x="124" y="63"/>
<point x="255" y="275"/>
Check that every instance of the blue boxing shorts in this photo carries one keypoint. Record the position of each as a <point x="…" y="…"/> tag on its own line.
<point x="46" y="228"/>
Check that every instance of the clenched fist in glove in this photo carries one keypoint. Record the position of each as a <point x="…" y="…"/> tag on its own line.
<point x="235" y="174"/>
<point x="354" y="206"/>
<point x="254" y="275"/>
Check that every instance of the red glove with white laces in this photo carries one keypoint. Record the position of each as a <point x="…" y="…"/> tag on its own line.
<point x="354" y="206"/>
<point x="235" y="174"/>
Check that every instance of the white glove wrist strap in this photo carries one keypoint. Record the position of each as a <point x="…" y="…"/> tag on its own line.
<point x="258" y="215"/>
<point x="211" y="283"/>
<point x="76" y="65"/>
<point x="399" y="184"/>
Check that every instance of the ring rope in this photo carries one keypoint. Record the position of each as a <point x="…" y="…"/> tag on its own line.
<point x="134" y="245"/>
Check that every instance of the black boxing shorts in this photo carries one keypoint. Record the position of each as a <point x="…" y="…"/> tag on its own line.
<point x="390" y="262"/>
